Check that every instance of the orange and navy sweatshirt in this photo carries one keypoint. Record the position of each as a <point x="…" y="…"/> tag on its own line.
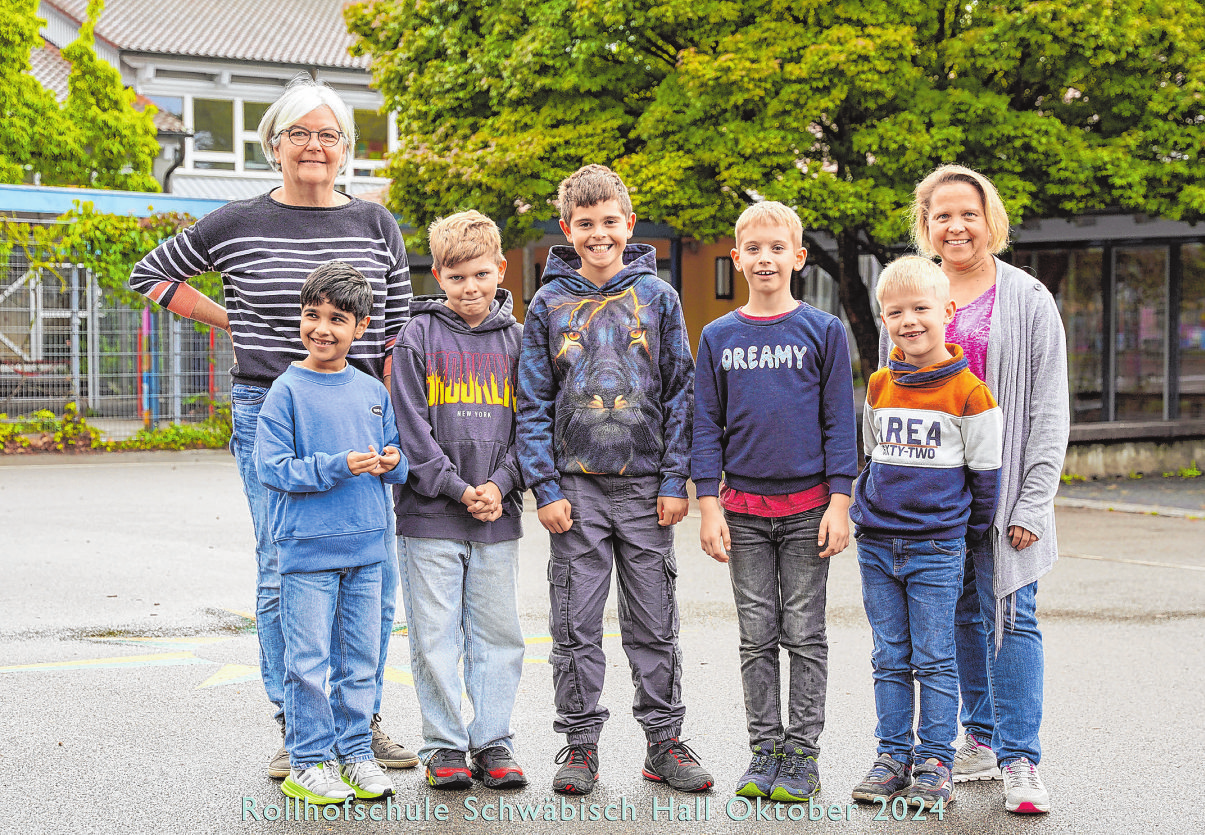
<point x="933" y="437"/>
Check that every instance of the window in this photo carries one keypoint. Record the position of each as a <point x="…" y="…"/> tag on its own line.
<point x="213" y="122"/>
<point x="253" y="157"/>
<point x="723" y="278"/>
<point x="1139" y="332"/>
<point x="253" y="112"/>
<point x="372" y="134"/>
<point x="1191" y="332"/>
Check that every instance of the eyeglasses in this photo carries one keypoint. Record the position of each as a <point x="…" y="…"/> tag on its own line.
<point x="326" y="137"/>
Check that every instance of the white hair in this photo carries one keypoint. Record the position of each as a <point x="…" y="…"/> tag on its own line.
<point x="303" y="96"/>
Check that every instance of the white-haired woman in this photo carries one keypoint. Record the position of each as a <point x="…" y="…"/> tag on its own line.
<point x="264" y="248"/>
<point x="1012" y="336"/>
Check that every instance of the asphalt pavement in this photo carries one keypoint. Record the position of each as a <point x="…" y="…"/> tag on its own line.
<point x="131" y="698"/>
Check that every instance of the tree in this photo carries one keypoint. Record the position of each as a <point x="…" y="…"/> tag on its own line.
<point x="835" y="108"/>
<point x="96" y="138"/>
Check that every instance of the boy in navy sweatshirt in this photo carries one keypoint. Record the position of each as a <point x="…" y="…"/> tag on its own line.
<point x="605" y="397"/>
<point x="774" y="415"/>
<point x="325" y="442"/>
<point x="932" y="434"/>
<point x="458" y="518"/>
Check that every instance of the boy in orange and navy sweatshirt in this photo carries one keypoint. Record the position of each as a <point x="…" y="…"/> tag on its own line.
<point x="933" y="435"/>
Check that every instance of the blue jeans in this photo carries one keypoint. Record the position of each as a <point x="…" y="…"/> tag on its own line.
<point x="780" y="586"/>
<point x="325" y="611"/>
<point x="245" y="403"/>
<point x="461" y="601"/>
<point x="1001" y="692"/>
<point x="910" y="588"/>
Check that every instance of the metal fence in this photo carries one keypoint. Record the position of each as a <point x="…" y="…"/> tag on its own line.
<point x="62" y="340"/>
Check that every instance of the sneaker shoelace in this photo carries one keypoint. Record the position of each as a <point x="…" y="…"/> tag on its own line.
<point x="879" y="771"/>
<point x="574" y="756"/>
<point x="926" y="776"/>
<point x="1023" y="771"/>
<point x="682" y="752"/>
<point x="793" y="764"/>
<point x="761" y="763"/>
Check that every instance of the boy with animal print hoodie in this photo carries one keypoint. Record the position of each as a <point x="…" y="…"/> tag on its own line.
<point x="606" y="389"/>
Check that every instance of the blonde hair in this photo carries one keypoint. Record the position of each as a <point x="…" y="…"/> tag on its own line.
<point x="993" y="207"/>
<point x="912" y="274"/>
<point x="588" y="186"/>
<point x="304" y="95"/>
<point x="462" y="237"/>
<point x="770" y="213"/>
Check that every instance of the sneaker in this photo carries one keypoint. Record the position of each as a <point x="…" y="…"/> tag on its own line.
<point x="673" y="763"/>
<point x="798" y="777"/>
<point x="278" y="766"/>
<point x="579" y="769"/>
<point x="447" y="770"/>
<point x="758" y="779"/>
<point x="366" y="780"/>
<point x="389" y="754"/>
<point x="496" y="768"/>
<point x="886" y="779"/>
<point x="974" y="761"/>
<point x="1023" y="789"/>
<point x="931" y="784"/>
<point x="318" y="784"/>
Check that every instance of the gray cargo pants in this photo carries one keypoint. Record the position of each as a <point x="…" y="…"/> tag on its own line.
<point x="614" y="520"/>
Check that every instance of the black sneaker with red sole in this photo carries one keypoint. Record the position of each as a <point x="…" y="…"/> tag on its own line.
<point x="496" y="768"/>
<point x="447" y="770"/>
<point x="673" y="763"/>
<point x="578" y="771"/>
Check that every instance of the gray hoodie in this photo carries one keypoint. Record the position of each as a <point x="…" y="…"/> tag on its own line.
<point x="453" y="390"/>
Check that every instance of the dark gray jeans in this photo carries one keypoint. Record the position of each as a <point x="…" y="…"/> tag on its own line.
<point x="614" y="521"/>
<point x="780" y="584"/>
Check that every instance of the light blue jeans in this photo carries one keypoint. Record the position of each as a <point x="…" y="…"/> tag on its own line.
<point x="460" y="600"/>
<point x="330" y="620"/>
<point x="1001" y="692"/>
<point x="909" y="588"/>
<point x="245" y="402"/>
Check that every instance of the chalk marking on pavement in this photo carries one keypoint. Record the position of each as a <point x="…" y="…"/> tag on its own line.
<point x="231" y="674"/>
<point x="1132" y="562"/>
<point x="399" y="676"/>
<point x="162" y="659"/>
<point x="172" y="643"/>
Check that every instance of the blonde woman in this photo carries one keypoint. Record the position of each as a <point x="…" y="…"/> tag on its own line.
<point x="1010" y="331"/>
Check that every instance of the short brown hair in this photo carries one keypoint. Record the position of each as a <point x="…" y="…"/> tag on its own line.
<point x="588" y="186"/>
<point x="993" y="207"/>
<point x="770" y="213"/>
<point x="462" y="237"/>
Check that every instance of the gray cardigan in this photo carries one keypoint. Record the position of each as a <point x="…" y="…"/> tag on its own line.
<point x="1027" y="373"/>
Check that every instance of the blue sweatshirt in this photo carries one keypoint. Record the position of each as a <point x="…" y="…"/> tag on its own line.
<point x="606" y="377"/>
<point x="454" y="393"/>
<point x="933" y="437"/>
<point x="322" y="517"/>
<point x="774" y="411"/>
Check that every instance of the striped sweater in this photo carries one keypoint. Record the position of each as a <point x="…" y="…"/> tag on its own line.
<point x="933" y="438"/>
<point x="264" y="251"/>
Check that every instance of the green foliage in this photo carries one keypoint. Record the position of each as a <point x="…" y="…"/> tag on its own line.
<point x="835" y="108"/>
<point x="46" y="430"/>
<point x="1071" y="478"/>
<point x="108" y="245"/>
<point x="96" y="138"/>
<point x="1191" y="471"/>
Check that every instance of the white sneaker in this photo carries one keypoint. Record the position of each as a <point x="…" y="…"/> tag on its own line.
<point x="974" y="761"/>
<point x="319" y="783"/>
<point x="1023" y="789"/>
<point x="367" y="780"/>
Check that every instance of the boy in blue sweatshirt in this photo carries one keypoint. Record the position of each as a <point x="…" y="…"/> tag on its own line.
<point x="933" y="437"/>
<point x="605" y="398"/>
<point x="325" y="442"/>
<point x="458" y="518"/>
<point x="774" y="416"/>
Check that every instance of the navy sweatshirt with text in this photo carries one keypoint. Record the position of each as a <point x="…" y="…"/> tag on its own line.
<point x="454" y="395"/>
<point x="606" y="377"/>
<point x="774" y="410"/>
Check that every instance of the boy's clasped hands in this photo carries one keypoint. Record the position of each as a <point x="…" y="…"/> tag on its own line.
<point x="373" y="462"/>
<point x="484" y="501"/>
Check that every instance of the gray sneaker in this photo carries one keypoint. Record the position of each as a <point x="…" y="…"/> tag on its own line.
<point x="317" y="784"/>
<point x="1024" y="792"/>
<point x="366" y="779"/>
<point x="974" y="761"/>
<point x="389" y="754"/>
<point x="278" y="766"/>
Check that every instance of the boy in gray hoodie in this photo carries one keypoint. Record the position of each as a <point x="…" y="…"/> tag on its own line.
<point x="458" y="518"/>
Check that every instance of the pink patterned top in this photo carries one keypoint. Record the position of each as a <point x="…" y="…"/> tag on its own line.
<point x="970" y="329"/>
